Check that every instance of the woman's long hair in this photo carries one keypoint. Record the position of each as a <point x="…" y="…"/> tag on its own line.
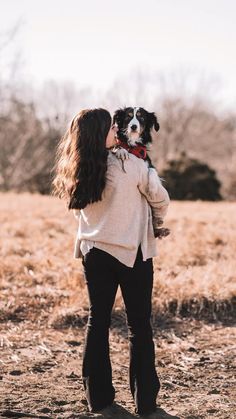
<point x="81" y="159"/>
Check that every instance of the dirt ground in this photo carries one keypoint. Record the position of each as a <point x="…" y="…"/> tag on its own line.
<point x="43" y="314"/>
<point x="40" y="369"/>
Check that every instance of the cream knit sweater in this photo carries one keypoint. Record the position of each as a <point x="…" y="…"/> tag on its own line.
<point x="123" y="219"/>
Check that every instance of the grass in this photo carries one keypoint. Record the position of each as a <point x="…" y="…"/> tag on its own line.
<point x="195" y="271"/>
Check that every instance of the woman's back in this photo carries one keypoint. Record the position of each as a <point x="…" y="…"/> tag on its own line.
<point x="122" y="219"/>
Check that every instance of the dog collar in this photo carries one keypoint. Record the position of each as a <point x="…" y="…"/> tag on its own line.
<point x="138" y="150"/>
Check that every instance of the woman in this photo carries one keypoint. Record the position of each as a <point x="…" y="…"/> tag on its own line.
<point x="116" y="242"/>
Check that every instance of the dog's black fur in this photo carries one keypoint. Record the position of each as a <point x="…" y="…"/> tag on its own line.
<point x="144" y="122"/>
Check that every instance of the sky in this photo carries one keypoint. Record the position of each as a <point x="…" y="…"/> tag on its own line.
<point x="95" y="42"/>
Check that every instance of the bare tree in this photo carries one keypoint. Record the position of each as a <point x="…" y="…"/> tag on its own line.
<point x="10" y="60"/>
<point x="25" y="147"/>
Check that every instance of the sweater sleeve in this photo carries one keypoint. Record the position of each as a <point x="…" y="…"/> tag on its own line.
<point x="158" y="197"/>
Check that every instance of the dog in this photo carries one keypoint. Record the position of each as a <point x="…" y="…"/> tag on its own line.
<point x="134" y="130"/>
<point x="134" y="135"/>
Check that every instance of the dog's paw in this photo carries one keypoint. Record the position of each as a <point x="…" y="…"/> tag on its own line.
<point x="159" y="233"/>
<point x="122" y="154"/>
<point x="159" y="222"/>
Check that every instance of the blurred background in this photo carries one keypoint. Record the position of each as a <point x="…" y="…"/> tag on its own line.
<point x="172" y="57"/>
<point x="176" y="58"/>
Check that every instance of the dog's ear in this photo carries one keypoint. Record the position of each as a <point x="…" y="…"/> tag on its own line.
<point x="118" y="117"/>
<point x="152" y="121"/>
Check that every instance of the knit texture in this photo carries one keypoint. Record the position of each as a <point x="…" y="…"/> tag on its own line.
<point x="124" y="218"/>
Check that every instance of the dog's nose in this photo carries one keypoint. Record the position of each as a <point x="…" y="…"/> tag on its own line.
<point x="134" y="127"/>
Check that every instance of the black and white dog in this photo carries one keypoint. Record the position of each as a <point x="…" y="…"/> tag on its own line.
<point x="134" y="136"/>
<point x="134" y="130"/>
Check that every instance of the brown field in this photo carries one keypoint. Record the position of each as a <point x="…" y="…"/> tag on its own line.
<point x="43" y="312"/>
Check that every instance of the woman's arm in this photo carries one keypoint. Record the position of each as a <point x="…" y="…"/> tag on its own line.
<point x="157" y="196"/>
<point x="151" y="187"/>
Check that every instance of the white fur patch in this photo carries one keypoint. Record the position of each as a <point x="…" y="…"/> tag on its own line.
<point x="133" y="136"/>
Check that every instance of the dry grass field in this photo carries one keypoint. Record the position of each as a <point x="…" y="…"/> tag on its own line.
<point x="43" y="312"/>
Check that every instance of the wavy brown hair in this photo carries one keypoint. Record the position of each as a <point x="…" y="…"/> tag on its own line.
<point x="81" y="159"/>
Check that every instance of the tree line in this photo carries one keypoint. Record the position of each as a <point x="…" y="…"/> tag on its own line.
<point x="193" y="131"/>
<point x="29" y="135"/>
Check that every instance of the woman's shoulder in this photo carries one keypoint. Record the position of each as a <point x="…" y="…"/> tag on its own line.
<point x="137" y="160"/>
<point x="127" y="172"/>
<point x="133" y="161"/>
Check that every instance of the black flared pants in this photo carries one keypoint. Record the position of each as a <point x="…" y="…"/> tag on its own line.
<point x="103" y="274"/>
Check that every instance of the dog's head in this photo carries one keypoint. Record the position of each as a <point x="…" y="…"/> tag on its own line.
<point x="134" y="125"/>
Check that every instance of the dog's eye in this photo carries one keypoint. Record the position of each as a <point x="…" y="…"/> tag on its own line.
<point x="140" y="116"/>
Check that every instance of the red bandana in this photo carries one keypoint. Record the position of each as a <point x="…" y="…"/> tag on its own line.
<point x="138" y="150"/>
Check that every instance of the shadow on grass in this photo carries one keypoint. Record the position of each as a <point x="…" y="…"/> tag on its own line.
<point x="172" y="316"/>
